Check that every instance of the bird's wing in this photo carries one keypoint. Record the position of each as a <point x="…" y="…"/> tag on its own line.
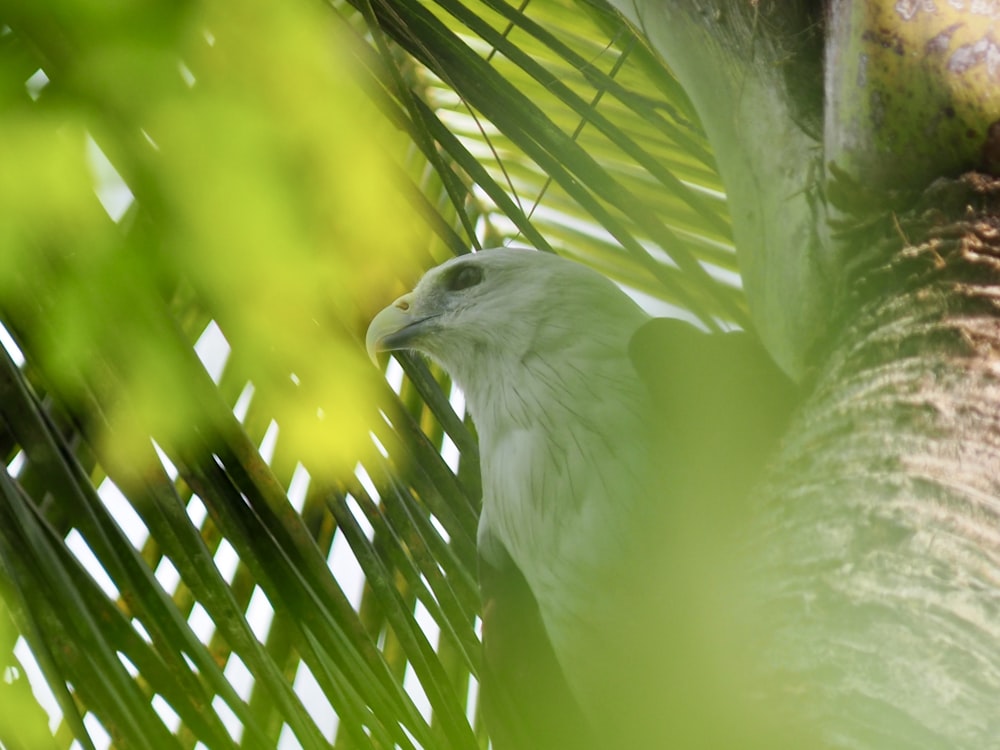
<point x="526" y="701"/>
<point x="721" y="401"/>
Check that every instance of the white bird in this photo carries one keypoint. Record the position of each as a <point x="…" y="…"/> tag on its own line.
<point x="540" y="346"/>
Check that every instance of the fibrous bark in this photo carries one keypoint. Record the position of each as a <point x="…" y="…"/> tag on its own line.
<point x="878" y="542"/>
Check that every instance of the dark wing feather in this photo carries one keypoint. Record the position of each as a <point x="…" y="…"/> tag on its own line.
<point x="721" y="401"/>
<point x="526" y="701"/>
<point x="718" y="407"/>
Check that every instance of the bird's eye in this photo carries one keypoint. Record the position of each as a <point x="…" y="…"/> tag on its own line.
<point x="465" y="277"/>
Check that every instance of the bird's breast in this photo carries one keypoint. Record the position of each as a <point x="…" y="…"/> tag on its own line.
<point x="562" y="499"/>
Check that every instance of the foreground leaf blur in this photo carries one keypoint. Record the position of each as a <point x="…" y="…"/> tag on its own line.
<point x="202" y="205"/>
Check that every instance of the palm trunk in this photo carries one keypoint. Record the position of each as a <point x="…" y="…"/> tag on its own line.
<point x="878" y="544"/>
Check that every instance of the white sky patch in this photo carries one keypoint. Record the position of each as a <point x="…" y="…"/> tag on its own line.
<point x="410" y="736"/>
<point x="660" y="309"/>
<point x="226" y="560"/>
<point x="98" y="734"/>
<point x="450" y="453"/>
<point x="346" y="570"/>
<point x="451" y="104"/>
<point x="200" y="623"/>
<point x="242" y="405"/>
<point x="315" y="702"/>
<point x="43" y="693"/>
<point x="578" y="224"/>
<point x="471" y="700"/>
<point x="232" y="724"/>
<point x="259" y="614"/>
<point x="127" y="663"/>
<point x="111" y="189"/>
<point x="652" y="304"/>
<point x="167" y="574"/>
<point x="196" y="511"/>
<point x="238" y="676"/>
<point x="484" y="223"/>
<point x="168" y="465"/>
<point x="268" y="442"/>
<point x="186" y="75"/>
<point x="122" y="512"/>
<point x="426" y="622"/>
<point x="35" y="83"/>
<point x="78" y="546"/>
<point x="287" y="739"/>
<point x="166" y="713"/>
<point x="394" y="374"/>
<point x="366" y="482"/>
<point x="17" y="463"/>
<point x="416" y="692"/>
<point x="440" y="529"/>
<point x="298" y="487"/>
<point x="213" y="350"/>
<point x="457" y="401"/>
<point x="724" y="275"/>
<point x="362" y="520"/>
<point x="659" y="254"/>
<point x="378" y="445"/>
<point x="385" y="418"/>
<point x="12" y="348"/>
<point x="411" y="684"/>
<point x="139" y="628"/>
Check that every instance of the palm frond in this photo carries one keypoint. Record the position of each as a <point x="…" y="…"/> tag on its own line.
<point x="282" y="552"/>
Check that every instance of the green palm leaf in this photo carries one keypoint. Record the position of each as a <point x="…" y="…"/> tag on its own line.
<point x="252" y="223"/>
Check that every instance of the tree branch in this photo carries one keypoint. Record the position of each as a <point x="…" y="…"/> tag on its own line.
<point x="754" y="73"/>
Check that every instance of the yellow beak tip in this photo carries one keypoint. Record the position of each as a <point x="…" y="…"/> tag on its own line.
<point x="388" y="321"/>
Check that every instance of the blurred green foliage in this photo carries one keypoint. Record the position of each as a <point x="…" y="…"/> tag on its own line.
<point x="263" y="200"/>
<point x="164" y="165"/>
<point x="22" y="721"/>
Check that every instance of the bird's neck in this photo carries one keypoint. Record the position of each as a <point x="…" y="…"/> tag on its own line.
<point x="535" y="391"/>
<point x="544" y="423"/>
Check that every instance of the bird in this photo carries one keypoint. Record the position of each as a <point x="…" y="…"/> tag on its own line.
<point x="569" y="382"/>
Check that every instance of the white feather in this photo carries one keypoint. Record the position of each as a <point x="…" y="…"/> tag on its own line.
<point x="539" y="347"/>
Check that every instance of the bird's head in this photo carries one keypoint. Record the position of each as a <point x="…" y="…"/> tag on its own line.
<point x="494" y="310"/>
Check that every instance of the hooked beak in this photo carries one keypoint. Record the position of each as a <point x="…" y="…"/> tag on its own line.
<point x="394" y="328"/>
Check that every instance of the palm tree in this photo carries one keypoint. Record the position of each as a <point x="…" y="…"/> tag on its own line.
<point x="220" y="526"/>
<point x="867" y="243"/>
